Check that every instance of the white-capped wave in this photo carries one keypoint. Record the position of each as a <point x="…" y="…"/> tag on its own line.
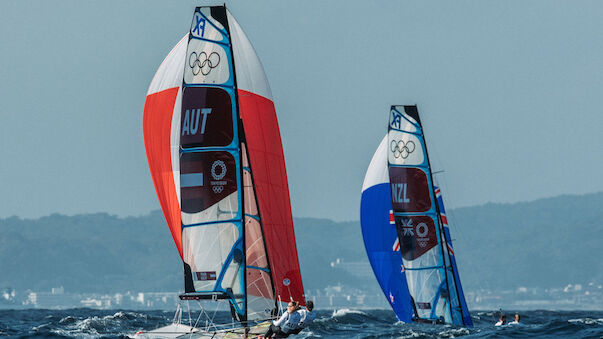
<point x="410" y="334"/>
<point x="39" y="327"/>
<point x="68" y="320"/>
<point x="346" y="311"/>
<point x="91" y="325"/>
<point x="587" y="321"/>
<point x="454" y="332"/>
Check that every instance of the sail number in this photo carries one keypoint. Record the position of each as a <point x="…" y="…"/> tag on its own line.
<point x="190" y="124"/>
<point x="399" y="193"/>
<point x="199" y="25"/>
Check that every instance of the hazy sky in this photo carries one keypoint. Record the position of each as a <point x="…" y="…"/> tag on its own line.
<point x="511" y="95"/>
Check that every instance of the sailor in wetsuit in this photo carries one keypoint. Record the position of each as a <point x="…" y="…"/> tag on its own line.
<point x="307" y="317"/>
<point x="283" y="327"/>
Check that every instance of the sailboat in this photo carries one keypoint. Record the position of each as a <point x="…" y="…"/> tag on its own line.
<point x="215" y="155"/>
<point x="405" y="229"/>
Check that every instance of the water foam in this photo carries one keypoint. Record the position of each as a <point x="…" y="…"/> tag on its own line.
<point x="586" y="321"/>
<point x="345" y="311"/>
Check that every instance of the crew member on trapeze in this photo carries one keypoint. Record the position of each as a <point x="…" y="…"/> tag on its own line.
<point x="307" y="317"/>
<point x="291" y="322"/>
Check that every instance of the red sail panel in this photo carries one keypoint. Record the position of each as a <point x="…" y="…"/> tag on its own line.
<point x="157" y="123"/>
<point x="270" y="177"/>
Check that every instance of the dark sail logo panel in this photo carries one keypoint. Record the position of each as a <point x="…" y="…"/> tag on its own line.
<point x="205" y="179"/>
<point x="206" y="117"/>
<point x="410" y="190"/>
<point x="417" y="235"/>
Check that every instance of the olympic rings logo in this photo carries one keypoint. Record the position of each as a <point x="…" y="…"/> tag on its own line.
<point x="202" y="63"/>
<point x="402" y="149"/>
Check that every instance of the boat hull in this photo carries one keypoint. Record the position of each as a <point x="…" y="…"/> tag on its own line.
<point x="185" y="331"/>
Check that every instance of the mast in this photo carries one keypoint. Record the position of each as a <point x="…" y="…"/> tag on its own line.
<point x="438" y="216"/>
<point x="224" y="21"/>
<point x="446" y="253"/>
<point x="462" y="304"/>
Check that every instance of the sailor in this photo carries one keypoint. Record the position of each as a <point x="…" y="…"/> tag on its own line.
<point x="516" y="321"/>
<point x="502" y="320"/>
<point x="288" y="322"/>
<point x="307" y="317"/>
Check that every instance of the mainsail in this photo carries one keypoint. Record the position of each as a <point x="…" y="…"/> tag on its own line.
<point x="216" y="159"/>
<point x="408" y="245"/>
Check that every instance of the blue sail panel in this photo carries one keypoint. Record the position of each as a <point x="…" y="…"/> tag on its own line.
<point x="380" y="238"/>
<point x="381" y="243"/>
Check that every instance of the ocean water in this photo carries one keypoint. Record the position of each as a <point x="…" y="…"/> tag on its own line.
<point x="342" y="323"/>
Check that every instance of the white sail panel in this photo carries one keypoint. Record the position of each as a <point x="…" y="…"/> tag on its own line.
<point x="250" y="74"/>
<point x="377" y="172"/>
<point x="405" y="149"/>
<point x="175" y="136"/>
<point x="205" y="249"/>
<point x="206" y="63"/>
<point x="225" y="209"/>
<point x="232" y="278"/>
<point x="169" y="74"/>
<point x="423" y="283"/>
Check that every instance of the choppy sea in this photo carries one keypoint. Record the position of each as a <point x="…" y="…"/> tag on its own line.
<point x="342" y="323"/>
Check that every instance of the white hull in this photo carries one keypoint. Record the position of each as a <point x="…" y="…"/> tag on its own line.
<point x="184" y="331"/>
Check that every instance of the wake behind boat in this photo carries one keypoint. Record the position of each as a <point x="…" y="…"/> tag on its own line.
<point x="215" y="155"/>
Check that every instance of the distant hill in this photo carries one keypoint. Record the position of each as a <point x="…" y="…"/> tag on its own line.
<point x="91" y="252"/>
<point x="543" y="243"/>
